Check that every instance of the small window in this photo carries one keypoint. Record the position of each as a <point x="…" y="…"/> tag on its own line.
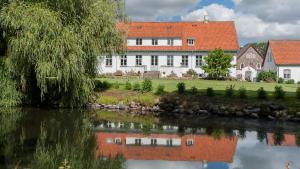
<point x="191" y="42"/>
<point x="154" y="142"/>
<point x="190" y="142"/>
<point x="138" y="60"/>
<point x="109" y="140"/>
<point x="258" y="66"/>
<point x="138" y="141"/>
<point x="108" y="61"/>
<point x="170" y="142"/>
<point x="170" y="60"/>
<point x="170" y="42"/>
<point x="123" y="60"/>
<point x="287" y="74"/>
<point x="154" y="60"/>
<point x="154" y="42"/>
<point x="118" y="141"/>
<point x="242" y="66"/>
<point x="198" y="61"/>
<point x="185" y="61"/>
<point x="139" y="41"/>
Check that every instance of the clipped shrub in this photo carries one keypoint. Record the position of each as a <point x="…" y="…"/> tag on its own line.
<point x="101" y="86"/>
<point x="210" y="92"/>
<point x="298" y="93"/>
<point x="261" y="93"/>
<point x="147" y="85"/>
<point x="267" y="76"/>
<point x="229" y="91"/>
<point x="160" y="90"/>
<point x="279" y="92"/>
<point x="242" y="93"/>
<point x="136" y="87"/>
<point x="291" y="81"/>
<point x="128" y="86"/>
<point x="280" y="80"/>
<point x="181" y="87"/>
<point x="194" y="90"/>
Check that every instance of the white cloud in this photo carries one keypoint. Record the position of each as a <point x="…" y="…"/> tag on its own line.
<point x="237" y="1"/>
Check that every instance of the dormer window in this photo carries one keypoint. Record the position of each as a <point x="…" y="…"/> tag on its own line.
<point x="139" y="41"/>
<point x="191" y="42"/>
<point x="154" y="42"/>
<point x="170" y="42"/>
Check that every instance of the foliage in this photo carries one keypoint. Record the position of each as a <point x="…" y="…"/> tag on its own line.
<point x="147" y="85"/>
<point x="217" y="64"/>
<point x="136" y="87"/>
<point x="261" y="93"/>
<point x="280" y="80"/>
<point x="192" y="73"/>
<point x="261" y="47"/>
<point x="261" y="134"/>
<point x="298" y="93"/>
<point x="101" y="85"/>
<point x="160" y="90"/>
<point x="128" y="85"/>
<point x="181" y="88"/>
<point x="116" y="85"/>
<point x="53" y="46"/>
<point x="194" y="90"/>
<point x="210" y="92"/>
<point x="229" y="91"/>
<point x="279" y="92"/>
<point x="266" y="76"/>
<point x="291" y="81"/>
<point x="242" y="93"/>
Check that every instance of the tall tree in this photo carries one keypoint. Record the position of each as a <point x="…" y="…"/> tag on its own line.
<point x="217" y="64"/>
<point x="53" y="46"/>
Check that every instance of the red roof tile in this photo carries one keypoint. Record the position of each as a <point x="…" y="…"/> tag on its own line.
<point x="289" y="140"/>
<point x="286" y="52"/>
<point x="208" y="36"/>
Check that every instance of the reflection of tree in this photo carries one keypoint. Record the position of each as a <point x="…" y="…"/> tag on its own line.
<point x="278" y="137"/>
<point x="298" y="138"/>
<point x="229" y="132"/>
<point x="181" y="131"/>
<point x="242" y="133"/>
<point x="261" y="134"/>
<point x="218" y="133"/>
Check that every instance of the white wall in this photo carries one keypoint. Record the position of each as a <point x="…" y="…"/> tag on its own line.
<point x="295" y="72"/>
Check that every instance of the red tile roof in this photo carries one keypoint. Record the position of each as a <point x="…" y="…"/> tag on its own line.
<point x="208" y="36"/>
<point x="285" y="52"/>
<point x="204" y="148"/>
<point x="289" y="140"/>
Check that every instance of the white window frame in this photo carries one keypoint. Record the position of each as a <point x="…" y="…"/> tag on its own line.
<point x="108" y="61"/>
<point x="123" y="60"/>
<point x="258" y="66"/>
<point x="184" y="61"/>
<point x="118" y="140"/>
<point x="138" y="141"/>
<point x="138" y="60"/>
<point x="154" y="60"/>
<point x="287" y="74"/>
<point x="242" y="66"/>
<point x="170" y="60"/>
<point x="199" y="60"/>
<point x="154" y="42"/>
<point x="139" y="41"/>
<point x="191" y="41"/>
<point x="153" y="141"/>
<point x="171" y="42"/>
<point x="189" y="142"/>
<point x="169" y="142"/>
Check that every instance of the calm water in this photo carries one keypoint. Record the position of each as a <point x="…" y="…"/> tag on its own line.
<point x="149" y="143"/>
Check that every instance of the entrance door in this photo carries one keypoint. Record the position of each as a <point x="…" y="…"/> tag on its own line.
<point x="248" y="76"/>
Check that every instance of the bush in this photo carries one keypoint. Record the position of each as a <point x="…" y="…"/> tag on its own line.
<point x="192" y="73"/>
<point x="194" y="90"/>
<point x="280" y="80"/>
<point x="210" y="92"/>
<point x="116" y="85"/>
<point x="147" y="85"/>
<point x="291" y="81"/>
<point x="128" y="86"/>
<point x="298" y="93"/>
<point x="229" y="92"/>
<point x="267" y="77"/>
<point x="261" y="93"/>
<point x="136" y="87"/>
<point x="242" y="93"/>
<point x="298" y="83"/>
<point x="160" y="90"/>
<point x="279" y="93"/>
<point x="181" y="87"/>
<point x="101" y="86"/>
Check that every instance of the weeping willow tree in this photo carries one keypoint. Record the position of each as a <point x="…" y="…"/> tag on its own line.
<point x="52" y="46"/>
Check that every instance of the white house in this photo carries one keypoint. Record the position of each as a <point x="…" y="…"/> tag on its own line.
<point x="283" y="57"/>
<point x="171" y="47"/>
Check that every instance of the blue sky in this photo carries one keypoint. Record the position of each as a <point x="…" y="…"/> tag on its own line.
<point x="255" y="20"/>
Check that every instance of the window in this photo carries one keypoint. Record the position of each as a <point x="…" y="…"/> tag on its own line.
<point x="138" y="141"/>
<point x="118" y="141"/>
<point x="123" y="60"/>
<point x="242" y="66"/>
<point x="170" y="42"/>
<point x="170" y="60"/>
<point x="198" y="61"/>
<point x="154" y="60"/>
<point x="287" y="74"/>
<point x="169" y="142"/>
<point x="191" y="42"/>
<point x="109" y="140"/>
<point x="139" y="41"/>
<point x="154" y="42"/>
<point x="108" y="61"/>
<point x="138" y="60"/>
<point x="258" y="66"/>
<point x="153" y="142"/>
<point x="185" y="61"/>
<point x="189" y="142"/>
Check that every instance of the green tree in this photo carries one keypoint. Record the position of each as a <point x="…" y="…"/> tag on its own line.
<point x="54" y="45"/>
<point x="217" y="64"/>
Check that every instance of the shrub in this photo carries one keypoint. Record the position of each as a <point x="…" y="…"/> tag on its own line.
<point x="128" y="86"/>
<point x="136" y="87"/>
<point x="261" y="93"/>
<point x="192" y="73"/>
<point x="194" y="90"/>
<point x="160" y="90"/>
<point x="116" y="85"/>
<point x="242" y="93"/>
<point x="298" y="93"/>
<point x="101" y="86"/>
<point x="181" y="87"/>
<point x="279" y="93"/>
<point x="229" y="92"/>
<point x="298" y="83"/>
<point x="280" y="80"/>
<point x="210" y="92"/>
<point x="291" y="81"/>
<point x="147" y="85"/>
<point x="267" y="76"/>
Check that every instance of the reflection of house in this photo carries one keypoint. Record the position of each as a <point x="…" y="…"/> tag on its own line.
<point x="249" y="63"/>
<point x="283" y="57"/>
<point x="171" y="147"/>
<point x="287" y="140"/>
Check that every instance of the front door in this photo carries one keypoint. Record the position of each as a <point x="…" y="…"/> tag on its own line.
<point x="248" y="76"/>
